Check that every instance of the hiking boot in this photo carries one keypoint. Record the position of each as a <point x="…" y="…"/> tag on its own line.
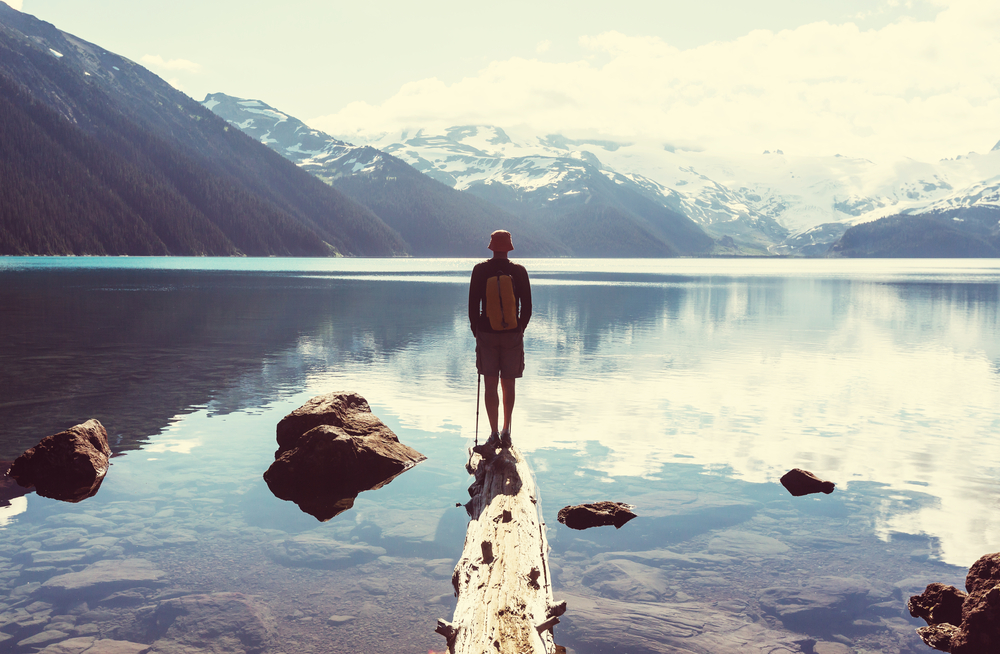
<point x="505" y="439"/>
<point x="489" y="447"/>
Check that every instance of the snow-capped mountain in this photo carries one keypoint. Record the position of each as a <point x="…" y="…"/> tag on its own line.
<point x="563" y="199"/>
<point x="326" y="157"/>
<point x="434" y="219"/>
<point x="552" y="170"/>
<point x="792" y="204"/>
<point x="768" y="203"/>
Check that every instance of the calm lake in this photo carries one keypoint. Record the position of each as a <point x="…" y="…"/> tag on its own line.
<point x="684" y="387"/>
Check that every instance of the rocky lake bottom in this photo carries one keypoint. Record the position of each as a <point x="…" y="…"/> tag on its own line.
<point x="721" y="574"/>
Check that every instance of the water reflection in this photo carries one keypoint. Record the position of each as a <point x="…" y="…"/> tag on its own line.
<point x="145" y="346"/>
<point x="891" y="383"/>
<point x="687" y="394"/>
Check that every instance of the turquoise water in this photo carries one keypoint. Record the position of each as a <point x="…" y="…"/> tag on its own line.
<point x="685" y="387"/>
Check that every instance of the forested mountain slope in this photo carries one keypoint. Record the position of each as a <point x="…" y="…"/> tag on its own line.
<point x="100" y="156"/>
<point x="954" y="233"/>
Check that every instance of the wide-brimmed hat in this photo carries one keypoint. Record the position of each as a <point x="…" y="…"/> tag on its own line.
<point x="500" y="241"/>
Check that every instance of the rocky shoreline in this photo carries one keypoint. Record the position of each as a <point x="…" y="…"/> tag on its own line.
<point x="782" y="580"/>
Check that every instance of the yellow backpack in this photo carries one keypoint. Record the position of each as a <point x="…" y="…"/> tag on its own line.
<point x="501" y="305"/>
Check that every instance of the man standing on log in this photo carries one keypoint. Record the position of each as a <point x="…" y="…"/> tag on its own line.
<point x="499" y="310"/>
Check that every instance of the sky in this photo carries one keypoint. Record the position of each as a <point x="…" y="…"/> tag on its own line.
<point x="876" y="79"/>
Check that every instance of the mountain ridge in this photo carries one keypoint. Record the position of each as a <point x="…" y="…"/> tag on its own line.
<point x="775" y="202"/>
<point x="564" y="224"/>
<point x="122" y="163"/>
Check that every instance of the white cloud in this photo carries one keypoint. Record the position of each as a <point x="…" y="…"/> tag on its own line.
<point x="157" y="62"/>
<point x="543" y="46"/>
<point x="924" y="89"/>
<point x="16" y="4"/>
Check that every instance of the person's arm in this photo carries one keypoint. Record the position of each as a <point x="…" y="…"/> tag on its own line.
<point x="525" y="315"/>
<point x="474" y="302"/>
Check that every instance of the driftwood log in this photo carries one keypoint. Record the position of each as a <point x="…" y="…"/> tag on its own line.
<point x="502" y="581"/>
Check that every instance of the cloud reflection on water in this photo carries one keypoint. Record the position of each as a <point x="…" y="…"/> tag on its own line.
<point x="868" y="373"/>
<point x="859" y="381"/>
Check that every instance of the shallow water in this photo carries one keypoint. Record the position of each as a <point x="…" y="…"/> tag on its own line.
<point x="685" y="387"/>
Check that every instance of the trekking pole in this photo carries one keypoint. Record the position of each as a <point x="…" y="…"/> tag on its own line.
<point x="479" y="382"/>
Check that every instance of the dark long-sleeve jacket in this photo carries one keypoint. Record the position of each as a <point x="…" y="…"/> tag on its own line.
<point x="478" y="319"/>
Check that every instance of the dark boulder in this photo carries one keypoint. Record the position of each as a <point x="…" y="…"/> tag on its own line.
<point x="800" y="482"/>
<point x="978" y="629"/>
<point x="68" y="466"/>
<point x="984" y="573"/>
<point x="938" y="636"/>
<point x="343" y="450"/>
<point x="348" y="411"/>
<point x="938" y="604"/>
<point x="597" y="514"/>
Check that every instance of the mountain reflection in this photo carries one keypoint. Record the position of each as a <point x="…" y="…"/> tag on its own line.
<point x="138" y="347"/>
<point x="863" y="381"/>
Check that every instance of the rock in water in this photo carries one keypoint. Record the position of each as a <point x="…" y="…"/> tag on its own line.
<point x="597" y="514"/>
<point x="800" y="482"/>
<point x="67" y="466"/>
<point x="332" y="448"/>
<point x="984" y="574"/>
<point x="977" y="628"/>
<point x="938" y="604"/>
<point x="938" y="636"/>
<point x="348" y="411"/>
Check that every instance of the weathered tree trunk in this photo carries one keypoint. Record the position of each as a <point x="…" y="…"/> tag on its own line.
<point x="502" y="581"/>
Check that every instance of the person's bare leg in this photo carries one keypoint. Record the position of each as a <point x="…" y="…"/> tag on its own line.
<point x="493" y="401"/>
<point x="508" y="401"/>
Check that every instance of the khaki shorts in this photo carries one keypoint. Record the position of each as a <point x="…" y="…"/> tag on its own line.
<point x="500" y="354"/>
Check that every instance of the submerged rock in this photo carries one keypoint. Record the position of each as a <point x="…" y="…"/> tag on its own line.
<point x="68" y="466"/>
<point x="94" y="645"/>
<point x="320" y="552"/>
<point x="818" y="603"/>
<point x="800" y="482"/>
<point x="213" y="622"/>
<point x="597" y="514"/>
<point x="332" y="448"/>
<point x="977" y="628"/>
<point x="105" y="577"/>
<point x="627" y="580"/>
<point x="602" y="624"/>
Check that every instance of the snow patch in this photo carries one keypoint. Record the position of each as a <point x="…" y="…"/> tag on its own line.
<point x="297" y="149"/>
<point x="208" y="104"/>
<point x="269" y="113"/>
<point x="56" y="53"/>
